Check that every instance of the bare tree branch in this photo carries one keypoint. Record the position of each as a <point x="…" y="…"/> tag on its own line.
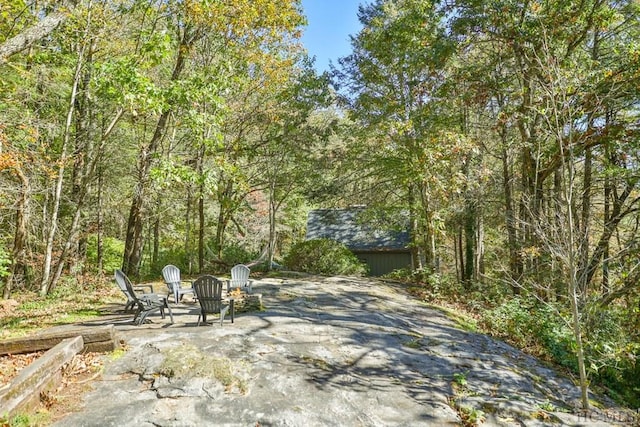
<point x="38" y="31"/>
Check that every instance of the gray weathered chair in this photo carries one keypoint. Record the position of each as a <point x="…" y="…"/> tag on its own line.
<point x="209" y="293"/>
<point x="240" y="278"/>
<point x="146" y="303"/>
<point x="121" y="279"/>
<point x="171" y="276"/>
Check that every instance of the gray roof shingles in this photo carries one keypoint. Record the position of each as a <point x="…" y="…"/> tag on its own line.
<point x="346" y="227"/>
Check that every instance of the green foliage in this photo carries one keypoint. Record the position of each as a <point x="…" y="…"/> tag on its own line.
<point x="235" y="254"/>
<point x="5" y="262"/>
<point x="13" y="18"/>
<point x="112" y="252"/>
<point x="168" y="255"/>
<point x="429" y="286"/>
<point x="539" y="328"/>
<point x="471" y="416"/>
<point x="25" y="420"/>
<point x="67" y="288"/>
<point x="534" y="327"/>
<point x="460" y="378"/>
<point x="612" y="353"/>
<point x="323" y="256"/>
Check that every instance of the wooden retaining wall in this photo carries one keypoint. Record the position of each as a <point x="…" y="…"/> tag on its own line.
<point x="42" y="376"/>
<point x="96" y="339"/>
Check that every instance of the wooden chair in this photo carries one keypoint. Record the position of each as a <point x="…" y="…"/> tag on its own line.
<point x="209" y="293"/>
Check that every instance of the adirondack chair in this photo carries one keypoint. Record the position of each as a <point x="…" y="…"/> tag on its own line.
<point x="171" y="276"/>
<point x="121" y="279"/>
<point x="209" y="293"/>
<point x="146" y="303"/>
<point x="240" y="278"/>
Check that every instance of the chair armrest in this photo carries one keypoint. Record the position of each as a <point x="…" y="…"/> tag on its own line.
<point x="152" y="299"/>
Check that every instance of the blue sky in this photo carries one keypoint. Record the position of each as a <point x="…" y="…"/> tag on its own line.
<point x="330" y="22"/>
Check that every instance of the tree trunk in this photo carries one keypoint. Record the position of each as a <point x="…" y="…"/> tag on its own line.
<point x="83" y="150"/>
<point x="156" y="234"/>
<point x="479" y="260"/>
<point x="585" y="218"/>
<point x="617" y="215"/>
<point x="100" y="225"/>
<point x="224" y="214"/>
<point x="428" y="235"/>
<point x="608" y="191"/>
<point x="273" y="208"/>
<point x="57" y="195"/>
<point x="134" y="239"/>
<point x="460" y="255"/>
<point x="416" y="259"/>
<point x="18" y="269"/>
<point x="220" y="229"/>
<point x="84" y="171"/>
<point x="527" y="128"/>
<point x="201" y="228"/>
<point x="67" y="246"/>
<point x="37" y="32"/>
<point x="187" y="228"/>
<point x="515" y="260"/>
<point x="201" y="217"/>
<point x="470" y="244"/>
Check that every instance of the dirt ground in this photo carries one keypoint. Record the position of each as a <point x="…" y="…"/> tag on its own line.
<point x="77" y="379"/>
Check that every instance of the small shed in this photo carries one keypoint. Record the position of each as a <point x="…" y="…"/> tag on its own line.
<point x="381" y="249"/>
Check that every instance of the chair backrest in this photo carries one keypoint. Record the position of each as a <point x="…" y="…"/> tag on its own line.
<point x="239" y="275"/>
<point x="125" y="285"/>
<point x="171" y="276"/>
<point x="208" y="290"/>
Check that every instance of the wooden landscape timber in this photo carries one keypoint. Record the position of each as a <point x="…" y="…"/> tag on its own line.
<point x="95" y="339"/>
<point x="39" y="378"/>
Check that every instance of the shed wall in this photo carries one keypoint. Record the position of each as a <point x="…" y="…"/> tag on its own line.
<point x="381" y="263"/>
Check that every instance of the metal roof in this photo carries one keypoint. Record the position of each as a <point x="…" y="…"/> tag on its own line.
<point x="349" y="228"/>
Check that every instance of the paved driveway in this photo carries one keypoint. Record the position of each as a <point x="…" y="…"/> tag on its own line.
<point x="325" y="352"/>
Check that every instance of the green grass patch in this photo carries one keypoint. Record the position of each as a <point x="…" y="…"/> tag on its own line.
<point x="26" y="420"/>
<point x="461" y="320"/>
<point x="78" y="316"/>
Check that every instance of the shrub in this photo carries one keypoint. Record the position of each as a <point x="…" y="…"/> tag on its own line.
<point x="532" y="326"/>
<point x="167" y="255"/>
<point x="5" y="262"/>
<point x="510" y="322"/>
<point x="233" y="254"/>
<point x="429" y="286"/>
<point x="323" y="256"/>
<point x="112" y="252"/>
